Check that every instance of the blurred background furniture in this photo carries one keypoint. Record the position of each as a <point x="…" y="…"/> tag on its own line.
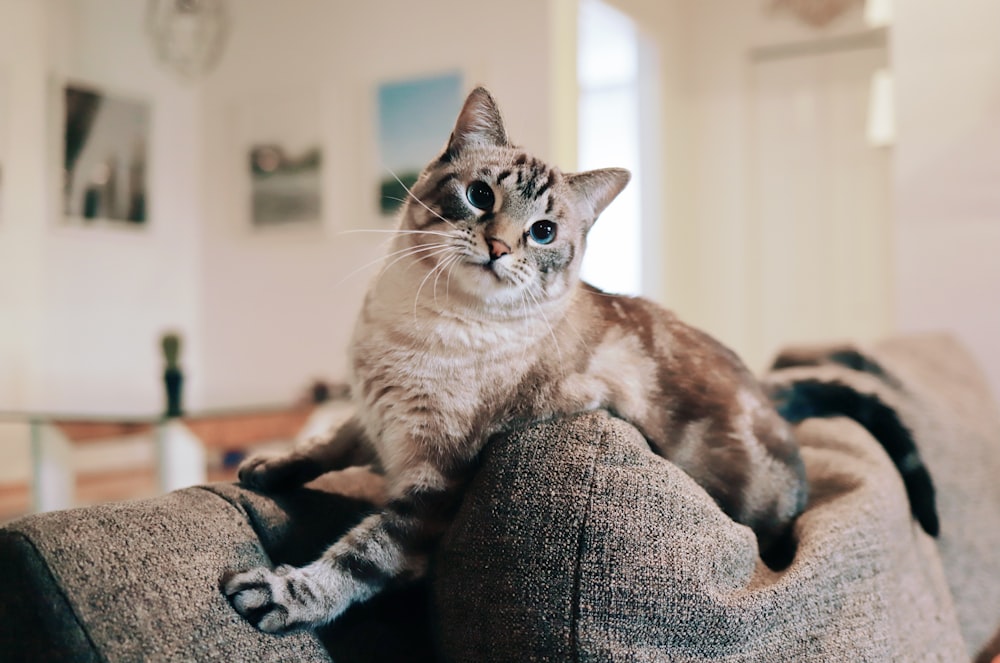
<point x="79" y="460"/>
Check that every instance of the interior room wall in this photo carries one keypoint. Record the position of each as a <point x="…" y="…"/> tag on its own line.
<point x="707" y="197"/>
<point x="261" y="312"/>
<point x="81" y="308"/>
<point x="944" y="202"/>
<point x="90" y="303"/>
<point x="23" y="30"/>
<point x="22" y="77"/>
<point x="946" y="59"/>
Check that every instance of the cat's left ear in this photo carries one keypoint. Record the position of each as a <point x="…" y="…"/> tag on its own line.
<point x="479" y="123"/>
<point x="595" y="189"/>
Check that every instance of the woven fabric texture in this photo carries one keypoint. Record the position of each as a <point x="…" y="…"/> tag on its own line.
<point x="577" y="543"/>
<point x="140" y="583"/>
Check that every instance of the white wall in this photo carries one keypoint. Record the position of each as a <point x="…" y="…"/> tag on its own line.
<point x="946" y="59"/>
<point x="709" y="225"/>
<point x="22" y="76"/>
<point x="945" y="202"/>
<point x="88" y="304"/>
<point x="22" y="88"/>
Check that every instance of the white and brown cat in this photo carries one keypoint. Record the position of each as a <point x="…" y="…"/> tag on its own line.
<point x="479" y="324"/>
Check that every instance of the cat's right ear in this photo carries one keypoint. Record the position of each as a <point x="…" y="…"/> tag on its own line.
<point x="479" y="124"/>
<point x="595" y="189"/>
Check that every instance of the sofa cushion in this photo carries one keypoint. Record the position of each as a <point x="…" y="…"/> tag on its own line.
<point x="576" y="542"/>
<point x="297" y="526"/>
<point x="134" y="581"/>
<point x="37" y="622"/>
<point x="945" y="397"/>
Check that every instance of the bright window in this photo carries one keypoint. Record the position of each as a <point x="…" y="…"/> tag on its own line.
<point x="608" y="75"/>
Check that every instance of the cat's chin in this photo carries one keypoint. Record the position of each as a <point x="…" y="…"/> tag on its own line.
<point x="491" y="283"/>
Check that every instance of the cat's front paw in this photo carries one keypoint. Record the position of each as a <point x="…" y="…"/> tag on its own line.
<point x="274" y="601"/>
<point x="272" y="471"/>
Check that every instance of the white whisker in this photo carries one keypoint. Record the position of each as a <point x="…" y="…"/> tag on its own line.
<point x="394" y="231"/>
<point x="416" y="297"/>
<point x="397" y="232"/>
<point x="446" y="264"/>
<point x="451" y="268"/>
<point x="400" y="254"/>
<point x="414" y="197"/>
<point x="412" y="251"/>
<point x="573" y="329"/>
<point x="527" y="316"/>
<point x="545" y="319"/>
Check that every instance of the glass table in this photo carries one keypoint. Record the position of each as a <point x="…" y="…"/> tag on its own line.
<point x="179" y="451"/>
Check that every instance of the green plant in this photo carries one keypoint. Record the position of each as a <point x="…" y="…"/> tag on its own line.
<point x="171" y="344"/>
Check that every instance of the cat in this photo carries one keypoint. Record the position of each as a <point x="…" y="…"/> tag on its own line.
<point x="478" y="325"/>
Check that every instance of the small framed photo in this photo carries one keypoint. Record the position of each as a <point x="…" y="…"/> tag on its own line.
<point x="415" y="119"/>
<point x="280" y="145"/>
<point x="103" y="150"/>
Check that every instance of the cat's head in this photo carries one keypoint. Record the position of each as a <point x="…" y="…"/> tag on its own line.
<point x="501" y="225"/>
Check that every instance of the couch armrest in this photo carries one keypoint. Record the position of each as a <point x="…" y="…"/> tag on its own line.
<point x="575" y="542"/>
<point x="37" y="622"/>
<point x="135" y="581"/>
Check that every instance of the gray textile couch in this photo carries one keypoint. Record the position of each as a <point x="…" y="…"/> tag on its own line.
<point x="574" y="543"/>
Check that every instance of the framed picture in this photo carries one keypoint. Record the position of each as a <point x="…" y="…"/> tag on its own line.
<point x="415" y="118"/>
<point x="104" y="151"/>
<point x="281" y="148"/>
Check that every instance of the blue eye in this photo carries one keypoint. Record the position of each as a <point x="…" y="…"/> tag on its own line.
<point x="480" y="195"/>
<point x="542" y="232"/>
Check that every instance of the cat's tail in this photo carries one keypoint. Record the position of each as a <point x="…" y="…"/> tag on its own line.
<point x="846" y="383"/>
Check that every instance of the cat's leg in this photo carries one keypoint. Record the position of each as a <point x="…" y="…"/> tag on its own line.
<point x="346" y="447"/>
<point x="385" y="548"/>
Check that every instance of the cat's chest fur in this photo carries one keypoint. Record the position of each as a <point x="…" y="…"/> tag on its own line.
<point x="422" y="364"/>
<point x="443" y="372"/>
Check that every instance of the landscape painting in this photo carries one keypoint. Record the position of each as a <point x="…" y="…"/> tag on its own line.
<point x="415" y="118"/>
<point x="282" y="143"/>
<point x="105" y="151"/>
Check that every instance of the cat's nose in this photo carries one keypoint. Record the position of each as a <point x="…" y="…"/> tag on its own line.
<point x="497" y="247"/>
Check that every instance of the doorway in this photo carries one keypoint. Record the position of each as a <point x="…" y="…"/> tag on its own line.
<point x="820" y="250"/>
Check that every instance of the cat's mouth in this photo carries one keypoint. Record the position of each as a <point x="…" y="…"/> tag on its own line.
<point x="491" y="268"/>
<point x="494" y="268"/>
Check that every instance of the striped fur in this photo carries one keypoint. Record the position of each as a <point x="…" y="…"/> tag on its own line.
<point x="478" y="324"/>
